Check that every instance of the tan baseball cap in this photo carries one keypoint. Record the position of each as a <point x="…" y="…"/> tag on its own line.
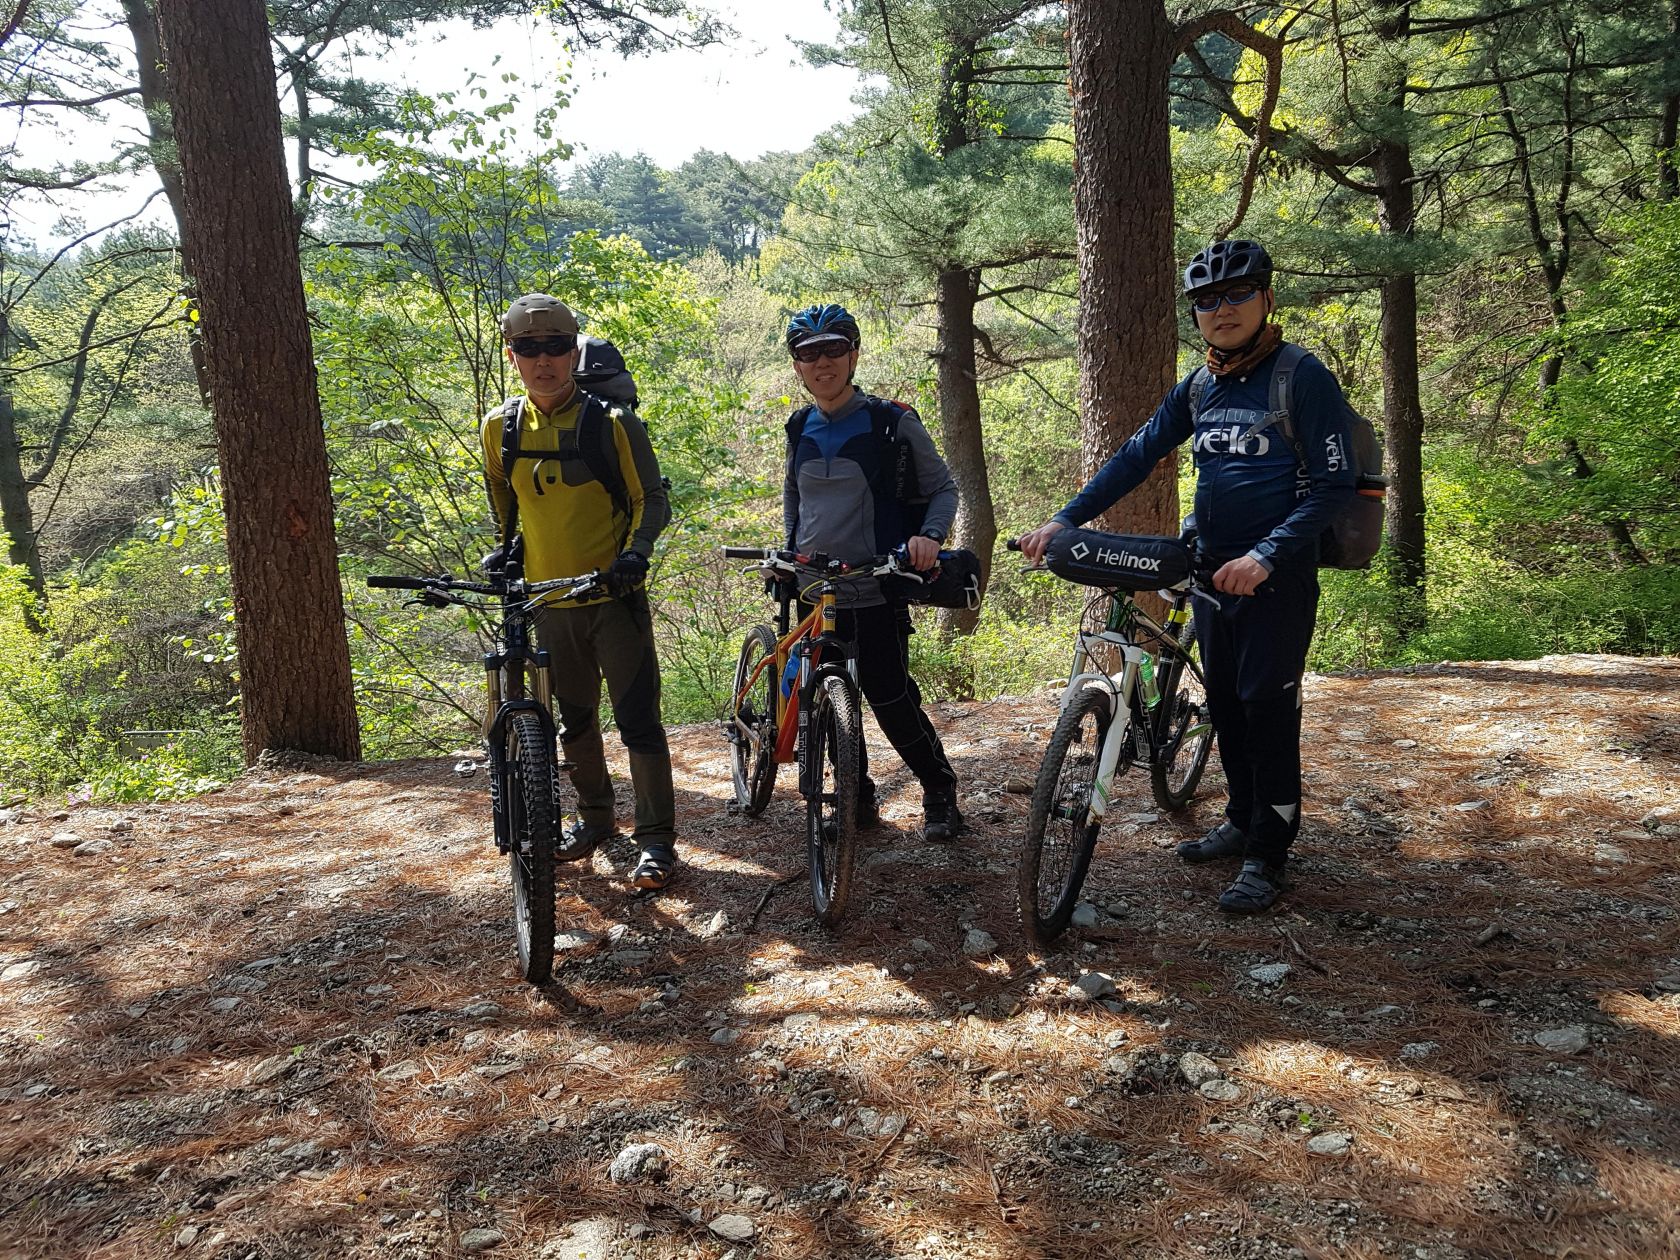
<point x="538" y="315"/>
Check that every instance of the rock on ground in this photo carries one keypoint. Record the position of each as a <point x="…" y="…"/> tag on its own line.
<point x="1571" y="1040"/>
<point x="1330" y="1144"/>
<point x="475" y="1240"/>
<point x="639" y="1162"/>
<point x="732" y="1228"/>
<point x="979" y="944"/>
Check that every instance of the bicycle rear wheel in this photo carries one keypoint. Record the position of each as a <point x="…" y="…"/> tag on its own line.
<point x="753" y="769"/>
<point x="1061" y="834"/>
<point x="833" y="748"/>
<point x="532" y="796"/>
<point x="1184" y="732"/>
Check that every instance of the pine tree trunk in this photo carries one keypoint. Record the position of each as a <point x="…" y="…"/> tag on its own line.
<point x="1120" y="53"/>
<point x="1402" y="405"/>
<point x="15" y="513"/>
<point x="1402" y="396"/>
<point x="294" y="662"/>
<point x="964" y="446"/>
<point x="160" y="142"/>
<point x="1668" y="128"/>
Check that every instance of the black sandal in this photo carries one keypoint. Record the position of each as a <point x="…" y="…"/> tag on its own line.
<point x="1225" y="840"/>
<point x="1255" y="889"/>
<point x="654" y="870"/>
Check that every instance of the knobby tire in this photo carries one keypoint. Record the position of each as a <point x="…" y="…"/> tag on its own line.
<point x="834" y="744"/>
<point x="1185" y="733"/>
<point x="753" y="771"/>
<point x="534" y="826"/>
<point x="1061" y="835"/>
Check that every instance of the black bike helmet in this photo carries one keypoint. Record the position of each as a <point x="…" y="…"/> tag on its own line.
<point x="1228" y="260"/>
<point x="822" y="322"/>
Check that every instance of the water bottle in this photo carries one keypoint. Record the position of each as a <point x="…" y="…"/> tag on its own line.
<point x="790" y="676"/>
<point x="1146" y="676"/>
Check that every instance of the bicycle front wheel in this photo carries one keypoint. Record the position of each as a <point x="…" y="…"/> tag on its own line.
<point x="752" y="768"/>
<point x="1185" y="734"/>
<point x="532" y="800"/>
<point x="833" y="750"/>
<point x="1061" y="834"/>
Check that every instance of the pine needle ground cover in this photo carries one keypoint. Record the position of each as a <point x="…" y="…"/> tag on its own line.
<point x="280" y="1020"/>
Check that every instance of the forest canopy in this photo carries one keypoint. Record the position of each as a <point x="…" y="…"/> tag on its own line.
<point x="1474" y="208"/>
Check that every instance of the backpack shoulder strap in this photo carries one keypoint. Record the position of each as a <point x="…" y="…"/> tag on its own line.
<point x="599" y="451"/>
<point x="1200" y="379"/>
<point x="897" y="470"/>
<point x="1281" y="393"/>
<point x="513" y="416"/>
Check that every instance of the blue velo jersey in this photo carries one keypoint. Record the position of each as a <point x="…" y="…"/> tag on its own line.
<point x="1254" y="494"/>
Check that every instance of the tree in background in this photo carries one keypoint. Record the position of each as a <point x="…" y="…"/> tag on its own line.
<point x="293" y="660"/>
<point x="1122" y="53"/>
<point x="950" y="194"/>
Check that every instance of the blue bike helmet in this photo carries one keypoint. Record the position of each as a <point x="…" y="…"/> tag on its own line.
<point x="1228" y="260"/>
<point x="826" y="321"/>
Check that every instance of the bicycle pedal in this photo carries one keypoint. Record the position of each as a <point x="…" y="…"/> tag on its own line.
<point x="466" y="769"/>
<point x="732" y="807"/>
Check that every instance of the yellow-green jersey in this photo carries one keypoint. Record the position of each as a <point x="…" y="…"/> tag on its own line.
<point x="569" y="518"/>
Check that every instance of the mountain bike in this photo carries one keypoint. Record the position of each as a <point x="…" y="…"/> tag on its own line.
<point x="796" y="699"/>
<point x="526" y="799"/>
<point x="1151" y="709"/>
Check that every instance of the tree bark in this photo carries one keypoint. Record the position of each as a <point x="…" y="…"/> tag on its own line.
<point x="160" y="142"/>
<point x="1392" y="172"/>
<point x="1668" y="129"/>
<point x="15" y="514"/>
<point x="294" y="662"/>
<point x="965" y="447"/>
<point x="1120" y="54"/>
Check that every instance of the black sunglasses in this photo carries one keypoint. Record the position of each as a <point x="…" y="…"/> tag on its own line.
<point x="1236" y="295"/>
<point x="822" y="350"/>
<point x="554" y="347"/>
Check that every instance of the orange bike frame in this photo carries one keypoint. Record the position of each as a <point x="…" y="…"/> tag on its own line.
<point x="820" y="620"/>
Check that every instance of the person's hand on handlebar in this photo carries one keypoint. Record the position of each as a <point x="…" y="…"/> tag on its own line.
<point x="1241" y="576"/>
<point x="1033" y="545"/>
<point x="923" y="552"/>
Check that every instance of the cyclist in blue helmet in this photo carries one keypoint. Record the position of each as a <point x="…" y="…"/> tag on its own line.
<point x="848" y="495"/>
<point x="1262" y="502"/>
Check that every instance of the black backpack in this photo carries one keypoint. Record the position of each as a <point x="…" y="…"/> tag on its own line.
<point x="1354" y="535"/>
<point x="607" y="387"/>
<point x="895" y="481"/>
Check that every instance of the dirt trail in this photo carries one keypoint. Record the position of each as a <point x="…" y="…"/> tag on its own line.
<point x="280" y="1021"/>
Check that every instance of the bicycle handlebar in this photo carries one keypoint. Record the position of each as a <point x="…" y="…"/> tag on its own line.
<point x="579" y="587"/>
<point x="783" y="561"/>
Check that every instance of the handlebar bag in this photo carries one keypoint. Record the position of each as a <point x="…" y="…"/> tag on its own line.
<point x="1127" y="562"/>
<point x="956" y="584"/>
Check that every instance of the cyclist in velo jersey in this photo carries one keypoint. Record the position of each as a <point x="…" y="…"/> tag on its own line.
<point x="1259" y="513"/>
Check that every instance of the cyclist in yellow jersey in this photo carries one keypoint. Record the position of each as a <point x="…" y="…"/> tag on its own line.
<point x="571" y="522"/>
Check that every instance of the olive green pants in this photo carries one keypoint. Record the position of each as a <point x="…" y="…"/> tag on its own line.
<point x="614" y="641"/>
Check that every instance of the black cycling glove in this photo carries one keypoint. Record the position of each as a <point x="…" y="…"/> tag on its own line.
<point x="627" y="572"/>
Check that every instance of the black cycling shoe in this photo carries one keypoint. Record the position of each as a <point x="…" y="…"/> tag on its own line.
<point x="868" y="807"/>
<point x="1225" y="840"/>
<point x="1255" y="888"/>
<point x="582" y="839"/>
<point x="941" y="819"/>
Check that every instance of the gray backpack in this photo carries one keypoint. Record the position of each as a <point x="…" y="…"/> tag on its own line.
<point x="1354" y="535"/>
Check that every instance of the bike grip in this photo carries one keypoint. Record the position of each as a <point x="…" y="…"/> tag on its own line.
<point x="743" y="553"/>
<point x="397" y="583"/>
